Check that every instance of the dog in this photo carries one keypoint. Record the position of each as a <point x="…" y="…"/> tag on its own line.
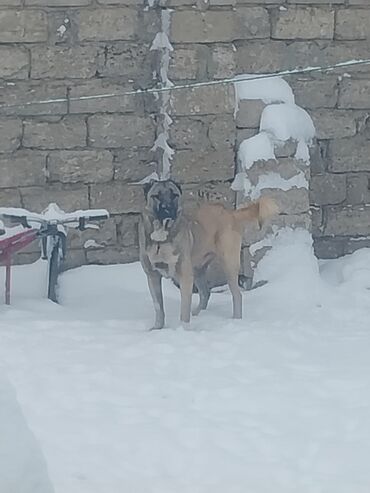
<point x="180" y="246"/>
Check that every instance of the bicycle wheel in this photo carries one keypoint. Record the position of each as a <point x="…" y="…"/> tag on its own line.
<point x="54" y="269"/>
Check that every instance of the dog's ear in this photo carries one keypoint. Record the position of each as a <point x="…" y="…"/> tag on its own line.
<point x="177" y="185"/>
<point x="147" y="186"/>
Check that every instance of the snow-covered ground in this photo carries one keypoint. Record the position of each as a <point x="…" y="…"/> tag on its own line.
<point x="278" y="402"/>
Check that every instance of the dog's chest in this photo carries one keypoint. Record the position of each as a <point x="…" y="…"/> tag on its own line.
<point x="164" y="258"/>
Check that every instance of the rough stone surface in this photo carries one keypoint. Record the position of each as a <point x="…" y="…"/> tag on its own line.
<point x="192" y="167"/>
<point x="120" y="131"/>
<point x="80" y="166"/>
<point x="68" y="198"/>
<point x="328" y="189"/>
<point x="211" y="100"/>
<point x="335" y="124"/>
<point x="14" y="62"/>
<point x="350" y="220"/>
<point x="349" y="155"/>
<point x="352" y="24"/>
<point x="10" y="134"/>
<point x="117" y="197"/>
<point x="66" y="133"/>
<point x="303" y="23"/>
<point x="107" y="24"/>
<point x="354" y="94"/>
<point x="22" y="169"/>
<point x="20" y="26"/>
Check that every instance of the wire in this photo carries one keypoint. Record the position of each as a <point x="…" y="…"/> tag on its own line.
<point x="192" y="85"/>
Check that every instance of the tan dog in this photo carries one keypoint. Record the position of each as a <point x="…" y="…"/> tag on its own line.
<point x="180" y="246"/>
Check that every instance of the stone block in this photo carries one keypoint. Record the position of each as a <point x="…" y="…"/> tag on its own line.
<point x="285" y="167"/>
<point x="333" y="124"/>
<point x="303" y="23"/>
<point x="58" y="62"/>
<point x="349" y="155"/>
<point x="286" y="149"/>
<point x="188" y="133"/>
<point x="192" y="167"/>
<point x="21" y="26"/>
<point x="122" y="104"/>
<point x="80" y="166"/>
<point x="93" y="238"/>
<point x="326" y="248"/>
<point x="74" y="259"/>
<point x="219" y="26"/>
<point x="127" y="229"/>
<point x="352" y="24"/>
<point x="57" y="3"/>
<point x="113" y="255"/>
<point x="316" y="221"/>
<point x="10" y="134"/>
<point x="108" y="24"/>
<point x="208" y="192"/>
<point x="212" y="100"/>
<point x="358" y="188"/>
<point x="354" y="94"/>
<point x="120" y="131"/>
<point x="23" y="168"/>
<point x="223" y="64"/>
<point x="348" y="220"/>
<point x="222" y="132"/>
<point x="67" y="133"/>
<point x="351" y="245"/>
<point x="21" y="98"/>
<point x="244" y="133"/>
<point x="125" y="59"/>
<point x="319" y="157"/>
<point x="117" y="198"/>
<point x="315" y="93"/>
<point x="188" y="63"/>
<point x="327" y="189"/>
<point x="133" y="164"/>
<point x="293" y="201"/>
<point x="14" y="62"/>
<point x="249" y="113"/>
<point x="68" y="198"/>
<point x="10" y="197"/>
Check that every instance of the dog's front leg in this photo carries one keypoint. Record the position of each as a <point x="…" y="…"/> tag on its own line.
<point x="186" y="290"/>
<point x="155" y="288"/>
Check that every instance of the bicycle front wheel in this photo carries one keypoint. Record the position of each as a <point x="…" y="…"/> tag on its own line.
<point x="54" y="270"/>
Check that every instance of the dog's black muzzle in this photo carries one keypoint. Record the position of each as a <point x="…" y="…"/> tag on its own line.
<point x="163" y="212"/>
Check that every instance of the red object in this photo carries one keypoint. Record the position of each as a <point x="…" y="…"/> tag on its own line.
<point x="9" y="246"/>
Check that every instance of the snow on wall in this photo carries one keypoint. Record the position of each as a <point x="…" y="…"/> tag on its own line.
<point x="282" y="122"/>
<point x="162" y="43"/>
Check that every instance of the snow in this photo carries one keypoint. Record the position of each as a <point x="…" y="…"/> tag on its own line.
<point x="287" y="121"/>
<point x="269" y="90"/>
<point x="52" y="213"/>
<point x="256" y="148"/>
<point x="276" y="402"/>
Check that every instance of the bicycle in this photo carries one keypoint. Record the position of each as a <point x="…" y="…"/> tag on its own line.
<point x="49" y="226"/>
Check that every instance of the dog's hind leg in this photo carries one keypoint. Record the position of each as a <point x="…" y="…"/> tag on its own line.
<point x="229" y="255"/>
<point x="186" y="289"/>
<point x="155" y="288"/>
<point x="204" y="292"/>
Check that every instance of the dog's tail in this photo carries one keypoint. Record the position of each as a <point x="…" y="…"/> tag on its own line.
<point x="260" y="210"/>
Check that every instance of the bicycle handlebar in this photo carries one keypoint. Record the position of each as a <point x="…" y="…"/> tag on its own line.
<point x="24" y="217"/>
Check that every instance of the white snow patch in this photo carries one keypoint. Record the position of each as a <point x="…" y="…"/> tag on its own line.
<point x="258" y="147"/>
<point x="287" y="121"/>
<point x="269" y="89"/>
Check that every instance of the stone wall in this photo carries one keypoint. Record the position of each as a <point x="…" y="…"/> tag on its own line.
<point x="91" y="153"/>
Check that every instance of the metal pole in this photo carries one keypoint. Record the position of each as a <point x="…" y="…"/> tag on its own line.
<point x="8" y="263"/>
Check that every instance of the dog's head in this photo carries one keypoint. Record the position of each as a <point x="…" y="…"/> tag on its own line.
<point x="163" y="200"/>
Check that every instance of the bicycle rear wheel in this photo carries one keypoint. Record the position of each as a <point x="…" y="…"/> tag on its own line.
<point x="54" y="270"/>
